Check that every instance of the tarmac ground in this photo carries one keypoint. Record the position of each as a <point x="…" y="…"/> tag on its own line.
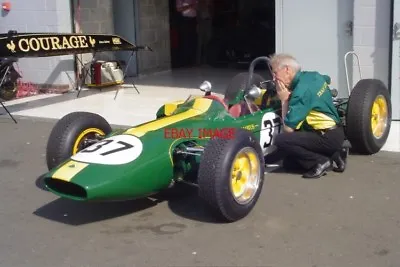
<point x="349" y="219"/>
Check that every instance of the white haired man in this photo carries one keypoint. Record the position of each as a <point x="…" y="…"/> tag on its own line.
<point x="313" y="136"/>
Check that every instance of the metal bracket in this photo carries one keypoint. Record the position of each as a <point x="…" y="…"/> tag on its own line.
<point x="349" y="28"/>
<point x="347" y="72"/>
<point x="396" y="30"/>
<point x="1" y="102"/>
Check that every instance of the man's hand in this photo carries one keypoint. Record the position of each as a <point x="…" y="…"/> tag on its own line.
<point x="287" y="129"/>
<point x="282" y="91"/>
<point x="283" y="94"/>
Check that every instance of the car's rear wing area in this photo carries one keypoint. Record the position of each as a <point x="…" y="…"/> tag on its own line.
<point x="20" y="45"/>
<point x="14" y="45"/>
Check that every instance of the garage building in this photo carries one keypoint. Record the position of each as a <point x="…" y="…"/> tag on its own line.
<point x="317" y="32"/>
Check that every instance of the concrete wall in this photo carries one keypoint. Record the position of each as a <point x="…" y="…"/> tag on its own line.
<point x="41" y="16"/>
<point x="372" y="31"/>
<point x="94" y="16"/>
<point x="372" y="28"/>
<point x="154" y="31"/>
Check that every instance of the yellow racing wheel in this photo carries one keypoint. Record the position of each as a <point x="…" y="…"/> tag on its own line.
<point x="369" y="115"/>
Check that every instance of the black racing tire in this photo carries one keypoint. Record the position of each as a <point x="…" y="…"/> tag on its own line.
<point x="239" y="82"/>
<point x="359" y="116"/>
<point x="215" y="175"/>
<point x="68" y="133"/>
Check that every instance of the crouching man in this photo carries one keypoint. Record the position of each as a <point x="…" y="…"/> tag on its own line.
<point x="312" y="136"/>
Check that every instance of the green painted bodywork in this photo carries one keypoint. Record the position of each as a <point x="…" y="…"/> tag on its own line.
<point x="158" y="166"/>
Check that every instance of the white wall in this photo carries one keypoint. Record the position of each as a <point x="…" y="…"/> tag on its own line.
<point x="372" y="30"/>
<point x="300" y="31"/>
<point x="315" y="32"/>
<point x="41" y="16"/>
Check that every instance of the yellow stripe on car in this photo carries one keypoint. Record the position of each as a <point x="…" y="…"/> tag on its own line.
<point x="200" y="106"/>
<point x="170" y="107"/>
<point x="69" y="170"/>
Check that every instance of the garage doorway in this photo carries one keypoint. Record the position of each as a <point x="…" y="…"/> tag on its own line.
<point x="240" y="30"/>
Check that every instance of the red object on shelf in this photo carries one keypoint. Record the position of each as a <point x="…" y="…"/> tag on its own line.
<point x="96" y="73"/>
<point x="6" y="6"/>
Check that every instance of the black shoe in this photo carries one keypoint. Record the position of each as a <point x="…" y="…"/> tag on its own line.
<point x="341" y="160"/>
<point x="319" y="170"/>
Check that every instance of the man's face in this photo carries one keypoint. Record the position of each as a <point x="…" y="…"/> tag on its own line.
<point x="283" y="74"/>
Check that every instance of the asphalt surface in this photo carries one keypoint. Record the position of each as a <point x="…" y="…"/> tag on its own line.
<point x="349" y="219"/>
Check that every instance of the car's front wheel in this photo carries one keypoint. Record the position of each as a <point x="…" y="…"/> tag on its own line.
<point x="231" y="175"/>
<point x="72" y="133"/>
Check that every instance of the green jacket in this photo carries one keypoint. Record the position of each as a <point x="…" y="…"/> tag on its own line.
<point x="310" y="104"/>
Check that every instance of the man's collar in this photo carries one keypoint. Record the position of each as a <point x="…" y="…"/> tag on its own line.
<point x="295" y="80"/>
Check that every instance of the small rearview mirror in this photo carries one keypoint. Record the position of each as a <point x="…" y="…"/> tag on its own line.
<point x="205" y="86"/>
<point x="254" y="92"/>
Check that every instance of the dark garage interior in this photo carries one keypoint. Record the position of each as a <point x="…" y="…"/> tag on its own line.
<point x="234" y="33"/>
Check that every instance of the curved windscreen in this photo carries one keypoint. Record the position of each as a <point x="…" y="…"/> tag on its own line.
<point x="189" y="103"/>
<point x="240" y="83"/>
<point x="232" y="91"/>
<point x="244" y="81"/>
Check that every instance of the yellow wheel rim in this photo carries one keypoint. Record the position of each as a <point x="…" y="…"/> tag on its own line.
<point x="245" y="175"/>
<point x="379" y="116"/>
<point x="83" y="135"/>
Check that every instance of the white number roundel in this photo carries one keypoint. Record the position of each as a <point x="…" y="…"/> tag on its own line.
<point x="115" y="150"/>
<point x="270" y="127"/>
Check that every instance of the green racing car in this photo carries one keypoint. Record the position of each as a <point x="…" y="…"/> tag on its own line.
<point x="217" y="144"/>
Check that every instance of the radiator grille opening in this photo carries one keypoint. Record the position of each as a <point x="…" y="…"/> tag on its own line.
<point x="66" y="188"/>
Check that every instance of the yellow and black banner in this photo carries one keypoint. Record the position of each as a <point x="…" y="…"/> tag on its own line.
<point x="53" y="44"/>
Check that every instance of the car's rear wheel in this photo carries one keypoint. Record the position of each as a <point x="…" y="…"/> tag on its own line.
<point x="231" y="175"/>
<point x="72" y="133"/>
<point x="368" y="117"/>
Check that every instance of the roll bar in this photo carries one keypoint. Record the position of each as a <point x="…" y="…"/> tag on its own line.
<point x="253" y="65"/>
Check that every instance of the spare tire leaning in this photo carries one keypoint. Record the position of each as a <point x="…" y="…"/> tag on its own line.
<point x="368" y="117"/>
